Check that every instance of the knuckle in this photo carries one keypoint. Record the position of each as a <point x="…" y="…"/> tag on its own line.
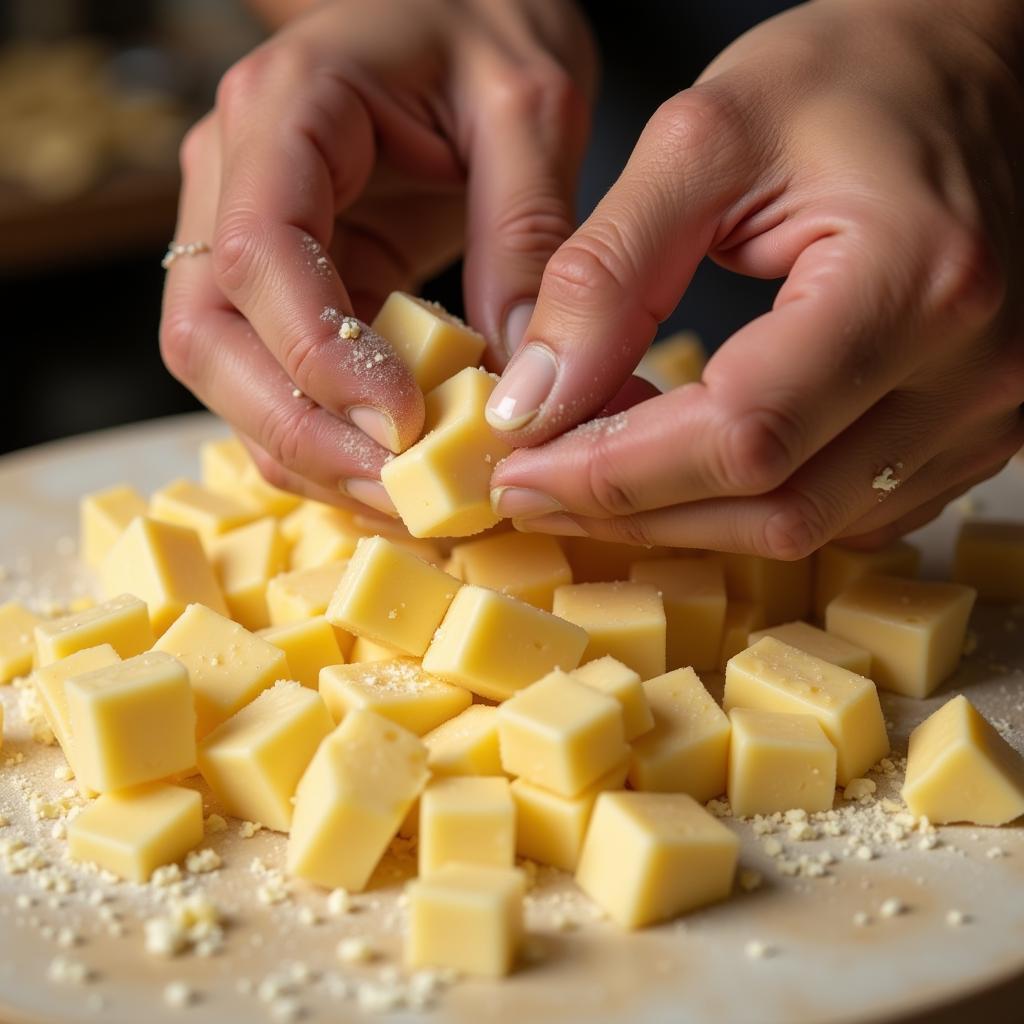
<point x="534" y="224"/>
<point x="605" y="488"/>
<point x="694" y="120"/>
<point x="795" y="530"/>
<point x="585" y="268"/>
<point x="283" y="436"/>
<point x="282" y="64"/>
<point x="542" y="90"/>
<point x="969" y="285"/>
<point x="193" y="146"/>
<point x="237" y="245"/>
<point x="759" y="452"/>
<point x="632" y="530"/>
<point x="177" y="346"/>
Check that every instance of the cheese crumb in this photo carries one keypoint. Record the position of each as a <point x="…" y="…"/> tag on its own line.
<point x="887" y="481"/>
<point x="892" y="907"/>
<point x="757" y="950"/>
<point x="750" y="880"/>
<point x="199" y="862"/>
<point x="859" y="789"/>
<point x="249" y="828"/>
<point x="339" y="902"/>
<point x="178" y="994"/>
<point x="355" y="950"/>
<point x="956" y="918"/>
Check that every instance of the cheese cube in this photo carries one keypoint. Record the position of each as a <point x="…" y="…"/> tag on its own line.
<point x="782" y="589"/>
<point x="210" y="514"/>
<point x="103" y="517"/>
<point x="914" y="630"/>
<point x="133" y="832"/>
<point x="227" y="665"/>
<point x="163" y="565"/>
<point x="550" y="829"/>
<point x="398" y="689"/>
<point x="245" y="561"/>
<point x="693" y="593"/>
<point x="466" y="820"/>
<point x="673" y="361"/>
<point x="601" y="561"/>
<point x="17" y="643"/>
<point x="352" y="798"/>
<point x="837" y="567"/>
<point x="822" y="645"/>
<point x="773" y="676"/>
<point x="122" y="622"/>
<point x="227" y="468"/>
<point x="651" y="856"/>
<point x="441" y="485"/>
<point x="621" y="682"/>
<point x="303" y="594"/>
<point x="495" y="645"/>
<point x="990" y="557"/>
<point x="131" y="722"/>
<point x="434" y="344"/>
<point x="687" y="750"/>
<point x="391" y="596"/>
<point x="366" y="651"/>
<point x="960" y="769"/>
<point x="308" y="514"/>
<point x="779" y="762"/>
<point x="529" y="566"/>
<point x="254" y="760"/>
<point x="324" y="539"/>
<point x="50" y="682"/>
<point x="741" y="619"/>
<point x="308" y="646"/>
<point x="467" y="918"/>
<point x="466" y="744"/>
<point x="625" y="620"/>
<point x="560" y="734"/>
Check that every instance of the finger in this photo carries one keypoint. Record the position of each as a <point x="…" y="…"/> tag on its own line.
<point x="298" y="147"/>
<point x="527" y="127"/>
<point x="606" y="289"/>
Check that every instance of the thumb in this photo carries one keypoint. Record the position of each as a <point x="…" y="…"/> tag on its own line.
<point x="606" y="289"/>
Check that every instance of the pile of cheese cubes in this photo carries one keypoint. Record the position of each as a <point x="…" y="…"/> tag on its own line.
<point x="507" y="695"/>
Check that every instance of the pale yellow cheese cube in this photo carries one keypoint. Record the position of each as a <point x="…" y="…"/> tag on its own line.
<point x="782" y="589"/>
<point x="163" y="565"/>
<point x="622" y="619"/>
<point x="495" y="645"/>
<point x="366" y="651"/>
<point x="227" y="468"/>
<point x="779" y="762"/>
<point x="49" y="683"/>
<point x="254" y="760"/>
<point x="466" y="918"/>
<point x="433" y="343"/>
<point x="353" y="796"/>
<point x="990" y="557"/>
<point x="914" y="630"/>
<point x="819" y="643"/>
<point x="773" y="676"/>
<point x="308" y="646"/>
<point x="133" y="832"/>
<point x="227" y="665"/>
<point x="389" y="595"/>
<point x="245" y="561"/>
<point x="466" y="820"/>
<point x="560" y="734"/>
<point x="649" y="857"/>
<point x="308" y="514"/>
<point x="466" y="744"/>
<point x="673" y="361"/>
<point x="836" y="567"/>
<point x="602" y="561"/>
<point x="131" y="722"/>
<point x="550" y="829"/>
<point x="529" y="566"/>
<point x="324" y="539"/>
<point x="398" y="689"/>
<point x="741" y="619"/>
<point x="621" y="682"/>
<point x="693" y="593"/>
<point x="122" y="622"/>
<point x="210" y="514"/>
<point x="687" y="749"/>
<point x="441" y="485"/>
<point x="302" y="594"/>
<point x="103" y="517"/>
<point x="960" y="769"/>
<point x="17" y="643"/>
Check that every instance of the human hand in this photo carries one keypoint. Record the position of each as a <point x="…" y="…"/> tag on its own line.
<point x="871" y="152"/>
<point x="359" y="151"/>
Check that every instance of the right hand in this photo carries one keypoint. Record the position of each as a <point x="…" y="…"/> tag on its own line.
<point x="359" y="151"/>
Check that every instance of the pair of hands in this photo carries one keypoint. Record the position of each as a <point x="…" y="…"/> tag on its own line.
<point x="869" y="151"/>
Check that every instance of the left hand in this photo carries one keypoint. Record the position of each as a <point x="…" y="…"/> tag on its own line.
<point x="885" y="179"/>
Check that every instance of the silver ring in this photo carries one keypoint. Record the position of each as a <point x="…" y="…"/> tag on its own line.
<point x="175" y="250"/>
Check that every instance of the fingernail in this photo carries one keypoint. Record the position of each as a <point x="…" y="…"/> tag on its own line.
<point x="516" y="322"/>
<point x="558" y="523"/>
<point x="372" y="493"/>
<point x="521" y="391"/>
<point x="375" y="424"/>
<point x="522" y="503"/>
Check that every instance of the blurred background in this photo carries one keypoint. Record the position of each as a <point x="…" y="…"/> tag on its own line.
<point x="94" y="98"/>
